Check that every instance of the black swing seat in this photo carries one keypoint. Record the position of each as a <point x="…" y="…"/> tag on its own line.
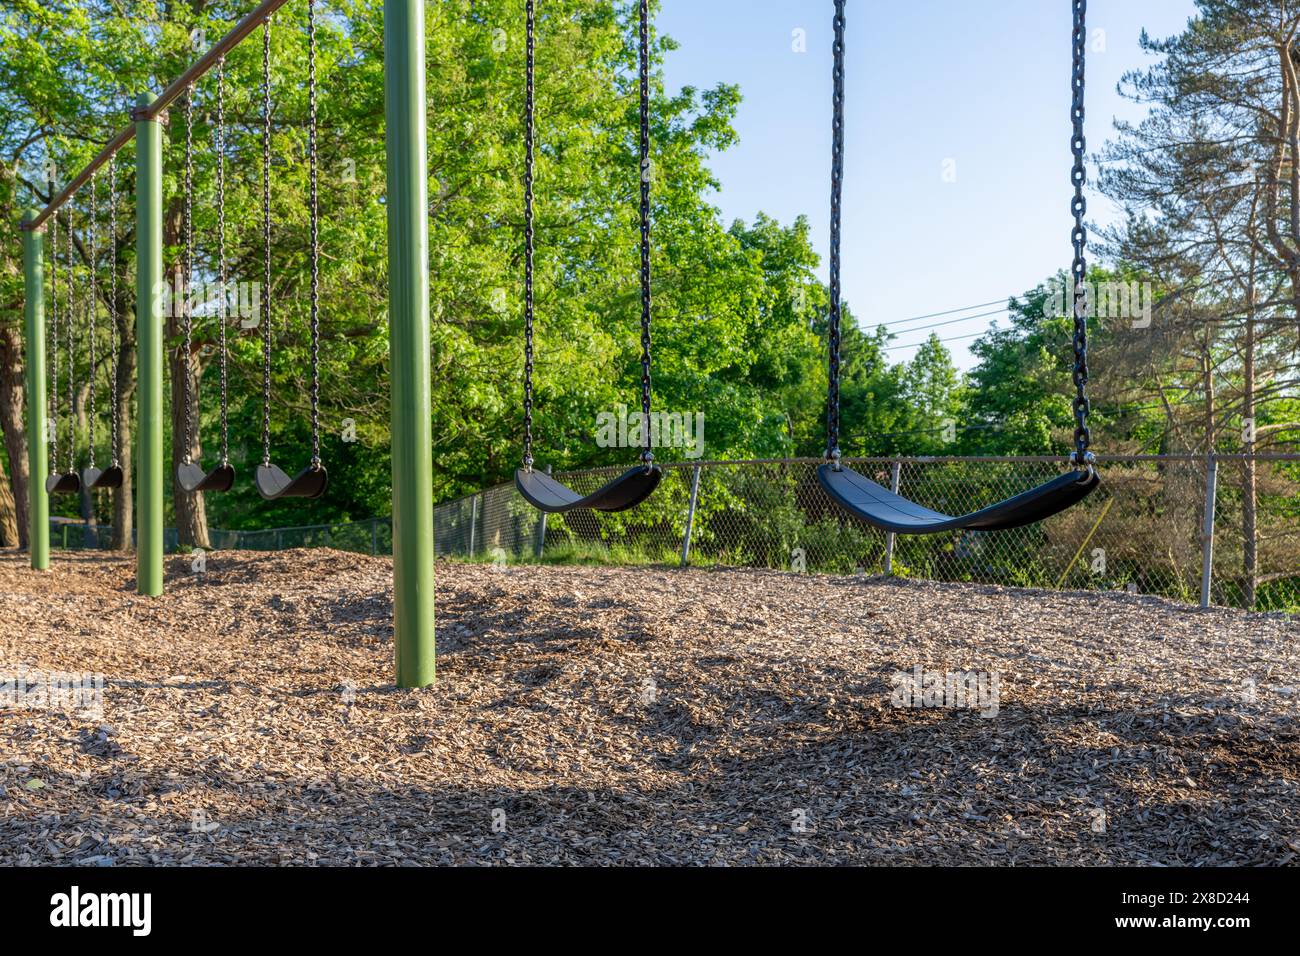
<point x="110" y="477"/>
<point x="191" y="476"/>
<point x="63" y="484"/>
<point x="273" y="483"/>
<point x="626" y="491"/>
<point x="882" y="508"/>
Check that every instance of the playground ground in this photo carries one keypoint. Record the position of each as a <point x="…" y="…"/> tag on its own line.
<point x="606" y="716"/>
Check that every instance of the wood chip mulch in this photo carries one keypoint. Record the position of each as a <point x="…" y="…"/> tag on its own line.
<point x="634" y="716"/>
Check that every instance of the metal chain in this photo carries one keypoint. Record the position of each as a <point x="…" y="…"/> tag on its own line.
<point x="68" y="323"/>
<point x="266" y="242"/>
<point x="647" y="455"/>
<point x="1079" y="238"/>
<point x="837" y="182"/>
<point x="224" y="297"/>
<point x="112" y="305"/>
<point x="315" y="237"/>
<point x="528" y="236"/>
<point x="53" y="441"/>
<point x="187" y="301"/>
<point x="92" y="308"/>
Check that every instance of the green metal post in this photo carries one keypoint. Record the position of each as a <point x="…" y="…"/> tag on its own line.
<point x="149" y="351"/>
<point x="38" y="502"/>
<point x="408" y="335"/>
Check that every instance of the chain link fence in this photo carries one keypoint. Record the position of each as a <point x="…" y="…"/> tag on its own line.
<point x="1143" y="530"/>
<point x="372" y="536"/>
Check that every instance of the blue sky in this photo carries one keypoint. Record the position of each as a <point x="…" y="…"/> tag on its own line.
<point x="976" y="89"/>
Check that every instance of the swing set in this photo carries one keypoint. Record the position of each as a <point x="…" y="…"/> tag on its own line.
<point x="62" y="415"/>
<point x="637" y="484"/>
<point x="856" y="494"/>
<point x="406" y="202"/>
<point x="406" y="206"/>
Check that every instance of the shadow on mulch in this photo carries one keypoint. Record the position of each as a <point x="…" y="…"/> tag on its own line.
<point x="877" y="790"/>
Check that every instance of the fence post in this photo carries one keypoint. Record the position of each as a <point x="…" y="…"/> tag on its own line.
<point x="149" y="351"/>
<point x="473" y="524"/>
<point x="895" y="476"/>
<point x="541" y="528"/>
<point x="690" y="515"/>
<point x="1207" y="532"/>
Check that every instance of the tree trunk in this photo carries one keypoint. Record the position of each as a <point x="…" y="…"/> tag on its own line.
<point x="1249" y="484"/>
<point x="1211" y="447"/>
<point x="191" y="514"/>
<point x="123" y="515"/>
<point x="1207" y="372"/>
<point x="11" y="423"/>
<point x="87" y="495"/>
<point x="8" y="512"/>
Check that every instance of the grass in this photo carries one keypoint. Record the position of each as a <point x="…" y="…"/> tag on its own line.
<point x="581" y="553"/>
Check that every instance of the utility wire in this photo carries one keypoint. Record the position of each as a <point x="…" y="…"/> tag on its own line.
<point x="951" y="338"/>
<point x="937" y="325"/>
<point x="950" y="321"/>
<point x="937" y="315"/>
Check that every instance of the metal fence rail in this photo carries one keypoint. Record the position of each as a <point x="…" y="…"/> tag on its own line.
<point x="372" y="536"/>
<point x="1167" y="525"/>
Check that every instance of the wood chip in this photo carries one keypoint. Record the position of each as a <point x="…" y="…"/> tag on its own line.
<point x="638" y="716"/>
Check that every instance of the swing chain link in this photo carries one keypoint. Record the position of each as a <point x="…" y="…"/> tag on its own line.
<point x="1079" y="206"/>
<point x="224" y="298"/>
<point x="528" y="235"/>
<point x="53" y="439"/>
<point x="837" y="181"/>
<point x="187" y="277"/>
<point x="315" y="236"/>
<point x="92" y="308"/>
<point x="266" y="242"/>
<point x="647" y="455"/>
<point x="112" y="306"/>
<point x="68" y="324"/>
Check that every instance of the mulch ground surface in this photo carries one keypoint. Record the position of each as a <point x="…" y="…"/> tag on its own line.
<point x="634" y="716"/>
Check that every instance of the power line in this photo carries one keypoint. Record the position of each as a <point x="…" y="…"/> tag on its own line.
<point x="936" y="325"/>
<point x="937" y="315"/>
<point x="953" y="338"/>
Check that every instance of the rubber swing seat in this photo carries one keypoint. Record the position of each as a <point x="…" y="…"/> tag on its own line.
<point x="882" y="508"/>
<point x="63" y="484"/>
<point x="191" y="476"/>
<point x="273" y="483"/>
<point x="626" y="491"/>
<point x="110" y="477"/>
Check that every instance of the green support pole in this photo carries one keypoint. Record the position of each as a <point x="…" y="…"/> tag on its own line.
<point x="38" y="502"/>
<point x="408" y="335"/>
<point x="149" y="352"/>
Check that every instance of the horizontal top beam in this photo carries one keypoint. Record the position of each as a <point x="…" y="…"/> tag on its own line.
<point x="202" y="65"/>
<point x="104" y="155"/>
<point x="206" y="62"/>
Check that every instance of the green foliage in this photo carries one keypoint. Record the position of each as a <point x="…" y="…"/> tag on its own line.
<point x="740" y="315"/>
